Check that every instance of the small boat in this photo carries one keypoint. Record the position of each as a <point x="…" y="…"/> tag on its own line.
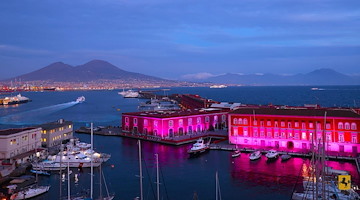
<point x="80" y="99"/>
<point x="218" y="86"/>
<point x="48" y="165"/>
<point x="285" y="157"/>
<point x="236" y="153"/>
<point x="272" y="154"/>
<point x="255" y="155"/>
<point x="198" y="147"/>
<point x="30" y="192"/>
<point x="40" y="172"/>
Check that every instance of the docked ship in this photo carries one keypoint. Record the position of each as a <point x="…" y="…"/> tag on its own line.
<point x="159" y="104"/>
<point x="18" y="99"/>
<point x="199" y="147"/>
<point x="129" y="94"/>
<point x="218" y="86"/>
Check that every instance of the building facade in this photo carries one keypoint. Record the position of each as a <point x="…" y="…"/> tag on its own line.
<point x="53" y="133"/>
<point x="296" y="128"/>
<point x="169" y="124"/>
<point x="19" y="144"/>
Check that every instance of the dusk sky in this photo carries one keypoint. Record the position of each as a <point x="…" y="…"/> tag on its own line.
<point x="177" y="38"/>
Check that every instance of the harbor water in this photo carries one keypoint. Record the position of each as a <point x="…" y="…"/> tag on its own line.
<point x="181" y="177"/>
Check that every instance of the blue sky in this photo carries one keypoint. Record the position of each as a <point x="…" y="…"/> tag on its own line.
<point x="182" y="38"/>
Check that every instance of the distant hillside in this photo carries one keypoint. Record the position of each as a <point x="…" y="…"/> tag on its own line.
<point x="317" y="77"/>
<point x="92" y="71"/>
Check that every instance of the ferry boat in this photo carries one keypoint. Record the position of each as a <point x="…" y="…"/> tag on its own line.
<point x="80" y="99"/>
<point x="199" y="147"/>
<point x="18" y="99"/>
<point x="129" y="94"/>
<point x="255" y="155"/>
<point x="218" y="86"/>
<point x="272" y="154"/>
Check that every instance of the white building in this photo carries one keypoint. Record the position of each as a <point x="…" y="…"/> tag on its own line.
<point x="53" y="133"/>
<point x="19" y="144"/>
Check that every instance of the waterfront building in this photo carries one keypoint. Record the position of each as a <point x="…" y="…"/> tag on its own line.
<point x="296" y="128"/>
<point x="169" y="124"/>
<point x="53" y="133"/>
<point x="19" y="144"/>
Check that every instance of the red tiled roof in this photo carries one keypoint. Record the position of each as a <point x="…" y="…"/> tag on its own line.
<point x="15" y="130"/>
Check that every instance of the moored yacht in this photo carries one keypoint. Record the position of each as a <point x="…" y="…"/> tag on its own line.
<point x="272" y="154"/>
<point x="255" y="155"/>
<point x="199" y="147"/>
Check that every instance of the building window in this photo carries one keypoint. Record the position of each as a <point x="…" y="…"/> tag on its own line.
<point x="269" y="134"/>
<point x="223" y="118"/>
<point x="289" y="124"/>
<point x="262" y="123"/>
<point x="245" y="132"/>
<point x="340" y="125"/>
<point x="255" y="132"/>
<point x="181" y="122"/>
<point x="328" y="126"/>
<point x="126" y="120"/>
<point x="276" y="124"/>
<point x="262" y="133"/>
<point x="296" y="136"/>
<point x="282" y="124"/>
<point x="145" y="122"/>
<point x="354" y="139"/>
<point x="353" y="126"/>
<point x="235" y="131"/>
<point x="207" y="119"/>
<point x="198" y="120"/>
<point x="296" y="124"/>
<point x="171" y="123"/>
<point x="283" y="135"/>
<point x="156" y="123"/>
<point x="318" y="126"/>
<point x="215" y="118"/>
<point x="276" y="134"/>
<point x="190" y="121"/>
<point x="245" y="121"/>
<point x="135" y="121"/>
<point x="303" y="125"/>
<point x="240" y="121"/>
<point x="303" y="135"/>
<point x="347" y="126"/>
<point x="311" y="125"/>
<point x="70" y="126"/>
<point x="235" y="121"/>
<point x="255" y="123"/>
<point x="328" y="137"/>
<point x="268" y="123"/>
<point x="341" y="137"/>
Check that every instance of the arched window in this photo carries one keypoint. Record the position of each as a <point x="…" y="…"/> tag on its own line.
<point x="353" y="126"/>
<point x="347" y="126"/>
<point x="240" y="121"/>
<point x="171" y="123"/>
<point x="190" y="121"/>
<point x="340" y="125"/>
<point x="245" y="121"/>
<point x="145" y="122"/>
<point x="198" y="120"/>
<point x="235" y="121"/>
<point x="181" y="122"/>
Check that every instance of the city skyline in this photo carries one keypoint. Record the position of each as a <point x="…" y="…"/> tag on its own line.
<point x="182" y="38"/>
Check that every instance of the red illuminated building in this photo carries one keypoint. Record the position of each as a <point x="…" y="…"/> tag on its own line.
<point x="169" y="124"/>
<point x="296" y="128"/>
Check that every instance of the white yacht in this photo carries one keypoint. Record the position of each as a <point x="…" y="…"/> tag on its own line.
<point x="255" y="155"/>
<point x="199" y="147"/>
<point x="129" y="94"/>
<point x="80" y="99"/>
<point x="272" y="154"/>
<point x="48" y="165"/>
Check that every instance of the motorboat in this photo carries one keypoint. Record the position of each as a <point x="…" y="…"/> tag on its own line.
<point x="272" y="154"/>
<point x="285" y="157"/>
<point x="255" y="155"/>
<point x="80" y="99"/>
<point x="236" y="153"/>
<point x="199" y="147"/>
<point x="30" y="192"/>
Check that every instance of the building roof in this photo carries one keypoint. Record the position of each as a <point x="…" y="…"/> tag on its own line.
<point x="56" y="124"/>
<point x="298" y="112"/>
<point x="176" y="113"/>
<point x="15" y="130"/>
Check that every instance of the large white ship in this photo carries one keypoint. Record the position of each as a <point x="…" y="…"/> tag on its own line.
<point x="129" y="94"/>
<point x="14" y="100"/>
<point x="218" y="86"/>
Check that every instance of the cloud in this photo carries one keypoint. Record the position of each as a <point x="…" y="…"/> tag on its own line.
<point x="197" y="76"/>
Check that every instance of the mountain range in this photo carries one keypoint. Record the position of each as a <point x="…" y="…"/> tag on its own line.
<point x="317" y="77"/>
<point x="94" y="70"/>
<point x="99" y="70"/>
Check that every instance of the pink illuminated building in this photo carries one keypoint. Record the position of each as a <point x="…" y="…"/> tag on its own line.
<point x="169" y="124"/>
<point x="295" y="128"/>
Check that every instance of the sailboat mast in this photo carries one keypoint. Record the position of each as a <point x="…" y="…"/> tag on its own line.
<point x="216" y="186"/>
<point x="140" y="168"/>
<point x="157" y="177"/>
<point x="60" y="171"/>
<point x="68" y="177"/>
<point x="100" y="182"/>
<point x="323" y="158"/>
<point x="91" y="161"/>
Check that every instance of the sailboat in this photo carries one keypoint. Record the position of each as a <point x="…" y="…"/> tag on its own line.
<point x="217" y="187"/>
<point x="108" y="196"/>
